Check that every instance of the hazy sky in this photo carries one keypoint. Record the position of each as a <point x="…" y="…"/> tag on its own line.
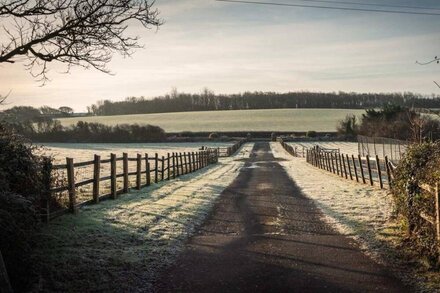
<point x="232" y="48"/>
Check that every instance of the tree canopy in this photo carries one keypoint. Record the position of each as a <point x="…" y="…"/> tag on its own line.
<point x="74" y="32"/>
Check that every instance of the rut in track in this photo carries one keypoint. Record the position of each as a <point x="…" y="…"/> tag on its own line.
<point x="264" y="235"/>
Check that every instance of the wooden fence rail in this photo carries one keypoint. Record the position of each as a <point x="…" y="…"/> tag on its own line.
<point x="374" y="171"/>
<point x="147" y="169"/>
<point x="164" y="168"/>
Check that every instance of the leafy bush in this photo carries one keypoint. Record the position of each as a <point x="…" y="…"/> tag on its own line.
<point x="311" y="133"/>
<point x="20" y="187"/>
<point x="420" y="165"/>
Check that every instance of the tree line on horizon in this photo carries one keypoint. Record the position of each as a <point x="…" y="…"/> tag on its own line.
<point x="209" y="101"/>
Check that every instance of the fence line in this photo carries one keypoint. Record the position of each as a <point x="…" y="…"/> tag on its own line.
<point x="379" y="172"/>
<point x="376" y="172"/>
<point x="382" y="146"/>
<point x="165" y="168"/>
<point x="67" y="186"/>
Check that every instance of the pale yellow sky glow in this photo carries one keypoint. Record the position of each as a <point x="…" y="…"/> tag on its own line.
<point x="232" y="48"/>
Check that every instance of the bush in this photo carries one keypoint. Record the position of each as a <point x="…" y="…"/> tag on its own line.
<point x="20" y="187"/>
<point x="420" y="165"/>
<point x="213" y="135"/>
<point x="311" y="133"/>
<point x="18" y="224"/>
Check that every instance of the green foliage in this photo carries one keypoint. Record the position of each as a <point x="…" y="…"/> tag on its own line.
<point x="420" y="165"/>
<point x="19" y="167"/>
<point x="311" y="133"/>
<point x="20" y="188"/>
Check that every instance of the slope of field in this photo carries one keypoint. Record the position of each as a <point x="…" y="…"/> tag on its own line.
<point x="235" y="120"/>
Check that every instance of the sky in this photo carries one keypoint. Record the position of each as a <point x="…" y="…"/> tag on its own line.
<point x="232" y="48"/>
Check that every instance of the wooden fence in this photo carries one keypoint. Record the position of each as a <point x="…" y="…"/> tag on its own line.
<point x="366" y="170"/>
<point x="144" y="169"/>
<point x="229" y="151"/>
<point x="376" y="171"/>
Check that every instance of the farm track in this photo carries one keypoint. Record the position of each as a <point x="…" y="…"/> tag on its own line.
<point x="264" y="235"/>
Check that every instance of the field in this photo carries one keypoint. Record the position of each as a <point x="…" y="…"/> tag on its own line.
<point x="235" y="120"/>
<point x="85" y="151"/>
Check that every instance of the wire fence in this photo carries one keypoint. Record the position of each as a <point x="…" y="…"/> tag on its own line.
<point x="382" y="147"/>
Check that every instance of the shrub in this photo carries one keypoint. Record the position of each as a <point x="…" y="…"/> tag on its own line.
<point x="311" y="133"/>
<point x="18" y="224"/>
<point x="420" y="165"/>
<point x="20" y="185"/>
<point x="213" y="135"/>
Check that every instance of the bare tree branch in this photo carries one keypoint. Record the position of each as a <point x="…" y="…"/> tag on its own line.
<point x="82" y="33"/>
<point x="436" y="59"/>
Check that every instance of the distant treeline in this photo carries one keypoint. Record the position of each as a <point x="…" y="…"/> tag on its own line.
<point x="208" y="101"/>
<point x="38" y="126"/>
<point x="85" y="132"/>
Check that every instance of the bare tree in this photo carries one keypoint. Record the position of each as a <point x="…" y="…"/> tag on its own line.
<point x="82" y="33"/>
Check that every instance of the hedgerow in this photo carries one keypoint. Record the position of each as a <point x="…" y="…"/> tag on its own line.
<point x="419" y="166"/>
<point x="20" y="189"/>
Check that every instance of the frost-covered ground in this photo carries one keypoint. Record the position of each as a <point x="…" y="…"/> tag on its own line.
<point x="358" y="211"/>
<point x="120" y="245"/>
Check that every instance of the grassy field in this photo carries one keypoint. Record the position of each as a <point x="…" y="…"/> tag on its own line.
<point x="85" y="151"/>
<point x="235" y="120"/>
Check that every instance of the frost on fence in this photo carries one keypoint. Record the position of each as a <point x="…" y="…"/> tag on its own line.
<point x="382" y="146"/>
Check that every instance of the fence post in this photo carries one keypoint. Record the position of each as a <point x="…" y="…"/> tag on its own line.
<point x="349" y="168"/>
<point x="71" y="185"/>
<point x="362" y="169"/>
<point x="189" y="162"/>
<point x="46" y="193"/>
<point x="162" y="168"/>
<point x="147" y="170"/>
<point x="437" y="218"/>
<point x="5" y="285"/>
<point x="340" y="165"/>
<point x="125" y="169"/>
<point x="337" y="163"/>
<point x="369" y="170"/>
<point x="96" y="178"/>
<point x="168" y="166"/>
<point x="194" y="161"/>
<point x="186" y="163"/>
<point x="174" y="165"/>
<point x="156" y="168"/>
<point x="138" y="171"/>
<point x="355" y="169"/>
<point x="379" y="172"/>
<point x="345" y="167"/>
<point x="181" y="164"/>
<point x="113" y="176"/>
<point x="387" y="167"/>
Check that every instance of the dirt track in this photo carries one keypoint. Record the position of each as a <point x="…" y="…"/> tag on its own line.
<point x="264" y="235"/>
